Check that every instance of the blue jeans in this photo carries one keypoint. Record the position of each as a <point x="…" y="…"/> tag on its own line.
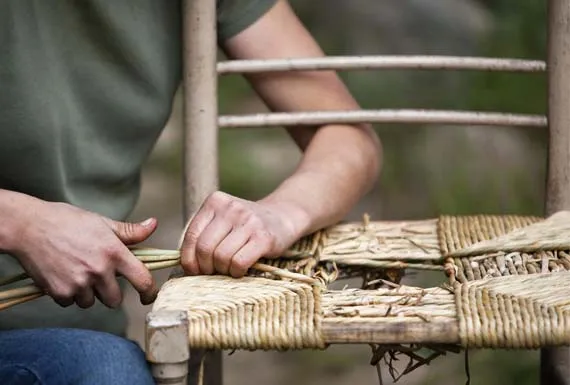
<point x="70" y="356"/>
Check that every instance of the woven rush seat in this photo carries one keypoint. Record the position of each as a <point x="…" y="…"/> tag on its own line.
<point x="465" y="247"/>
<point x="505" y="284"/>
<point x="261" y="314"/>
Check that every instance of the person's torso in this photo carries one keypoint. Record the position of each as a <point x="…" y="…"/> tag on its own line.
<point x="86" y="87"/>
<point x="85" y="90"/>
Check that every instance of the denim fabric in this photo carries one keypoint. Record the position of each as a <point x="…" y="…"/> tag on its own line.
<point x="70" y="357"/>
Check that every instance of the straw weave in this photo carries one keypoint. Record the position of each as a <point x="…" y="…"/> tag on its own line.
<point x="382" y="248"/>
<point x="396" y="305"/>
<point x="515" y="312"/>
<point x="508" y="264"/>
<point x="510" y="287"/>
<point x="460" y="232"/>
<point x="248" y="313"/>
<point x="552" y="233"/>
<point x="354" y="243"/>
<point x="482" y="247"/>
<point x="518" y="312"/>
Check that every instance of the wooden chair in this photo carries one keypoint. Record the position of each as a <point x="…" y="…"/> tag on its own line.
<point x="484" y="293"/>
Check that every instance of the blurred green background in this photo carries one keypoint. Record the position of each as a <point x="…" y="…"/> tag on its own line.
<point x="428" y="170"/>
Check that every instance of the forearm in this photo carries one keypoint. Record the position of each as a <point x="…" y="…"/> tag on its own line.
<point x="340" y="162"/>
<point x="340" y="165"/>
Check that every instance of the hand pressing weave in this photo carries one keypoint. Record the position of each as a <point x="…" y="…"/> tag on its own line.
<point x="228" y="235"/>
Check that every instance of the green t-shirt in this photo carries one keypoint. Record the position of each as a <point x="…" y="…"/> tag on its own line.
<point x="85" y="89"/>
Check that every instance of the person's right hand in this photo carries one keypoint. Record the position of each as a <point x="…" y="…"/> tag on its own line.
<point x="75" y="255"/>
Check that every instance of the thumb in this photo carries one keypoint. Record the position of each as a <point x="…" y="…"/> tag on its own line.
<point x="130" y="233"/>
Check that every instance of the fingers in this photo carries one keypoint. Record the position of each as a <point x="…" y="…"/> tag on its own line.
<point x="249" y="254"/>
<point x="62" y="300"/>
<point x="228" y="247"/>
<point x="128" y="265"/>
<point x="84" y="291"/>
<point x="131" y="233"/>
<point x="226" y="229"/>
<point x="208" y="242"/>
<point x="85" y="297"/>
<point x="215" y="220"/>
<point x="108" y="291"/>
<point x="138" y="275"/>
<point x="188" y="260"/>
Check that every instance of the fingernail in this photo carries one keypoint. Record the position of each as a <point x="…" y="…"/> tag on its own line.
<point x="148" y="222"/>
<point x="148" y="298"/>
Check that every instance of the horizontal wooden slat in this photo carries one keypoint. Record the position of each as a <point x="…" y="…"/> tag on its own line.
<point x="371" y="331"/>
<point x="382" y="62"/>
<point x="382" y="116"/>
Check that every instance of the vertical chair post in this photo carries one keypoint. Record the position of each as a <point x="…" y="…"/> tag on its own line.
<point x="167" y="347"/>
<point x="555" y="362"/>
<point x="200" y="136"/>
<point x="167" y="333"/>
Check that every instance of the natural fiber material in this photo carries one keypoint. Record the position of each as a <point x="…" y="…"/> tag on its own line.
<point x="359" y="248"/>
<point x="459" y="232"/>
<point x="552" y="233"/>
<point x="522" y="312"/>
<point x="383" y="240"/>
<point x="368" y="242"/>
<point x="402" y="304"/>
<point x="258" y="313"/>
<point x="482" y="247"/>
<point x="507" y="264"/>
<point x="247" y="313"/>
<point x="515" y="312"/>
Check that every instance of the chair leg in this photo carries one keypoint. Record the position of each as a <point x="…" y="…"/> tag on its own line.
<point x="167" y="347"/>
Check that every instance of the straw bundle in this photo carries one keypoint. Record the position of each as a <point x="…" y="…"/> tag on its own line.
<point x="153" y="259"/>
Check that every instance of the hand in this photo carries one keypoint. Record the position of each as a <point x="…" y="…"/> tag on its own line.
<point x="74" y="255"/>
<point x="228" y="235"/>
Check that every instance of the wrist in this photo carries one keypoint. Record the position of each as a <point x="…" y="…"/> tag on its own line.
<point x="294" y="216"/>
<point x="14" y="211"/>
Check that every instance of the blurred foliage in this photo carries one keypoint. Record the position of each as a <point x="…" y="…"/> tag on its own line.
<point x="519" y="32"/>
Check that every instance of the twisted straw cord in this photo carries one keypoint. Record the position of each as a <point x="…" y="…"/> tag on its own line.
<point x="525" y="312"/>
<point x="458" y="233"/>
<point x="552" y="233"/>
<point x="246" y="313"/>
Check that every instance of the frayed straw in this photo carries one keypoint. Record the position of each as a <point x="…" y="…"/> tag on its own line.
<point x="13" y="302"/>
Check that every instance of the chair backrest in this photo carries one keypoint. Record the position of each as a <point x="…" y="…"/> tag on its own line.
<point x="201" y="120"/>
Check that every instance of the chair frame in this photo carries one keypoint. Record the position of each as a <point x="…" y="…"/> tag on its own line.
<point x="172" y="360"/>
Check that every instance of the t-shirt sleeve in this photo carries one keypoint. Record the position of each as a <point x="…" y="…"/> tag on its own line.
<point x="236" y="15"/>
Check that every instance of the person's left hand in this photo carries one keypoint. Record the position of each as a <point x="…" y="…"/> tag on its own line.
<point x="228" y="235"/>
